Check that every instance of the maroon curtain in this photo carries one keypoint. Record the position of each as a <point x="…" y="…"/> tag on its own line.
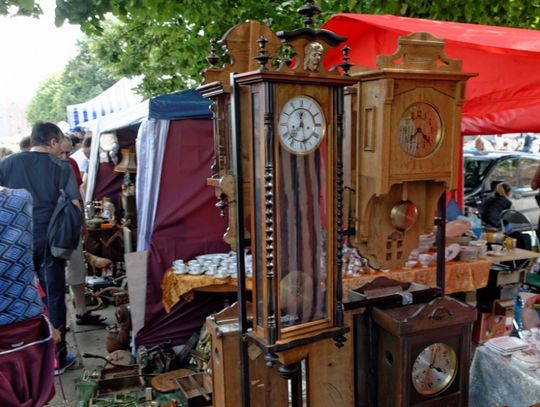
<point x="108" y="182"/>
<point x="186" y="225"/>
<point x="26" y="369"/>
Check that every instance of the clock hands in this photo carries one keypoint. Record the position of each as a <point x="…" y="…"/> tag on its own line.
<point x="304" y="128"/>
<point x="434" y="359"/>
<point x="425" y="138"/>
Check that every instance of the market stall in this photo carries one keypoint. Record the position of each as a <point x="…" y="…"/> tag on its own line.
<point x="176" y="210"/>
<point x="173" y="137"/>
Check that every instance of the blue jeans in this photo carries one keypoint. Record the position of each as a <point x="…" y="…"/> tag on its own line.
<point x="52" y="277"/>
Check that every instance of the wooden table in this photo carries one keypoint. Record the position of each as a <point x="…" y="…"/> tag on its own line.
<point x="514" y="255"/>
<point x="461" y="276"/>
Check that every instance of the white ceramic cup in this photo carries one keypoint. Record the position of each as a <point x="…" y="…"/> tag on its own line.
<point x="425" y="259"/>
<point x="496" y="248"/>
<point x="179" y="269"/>
<point x="195" y="268"/>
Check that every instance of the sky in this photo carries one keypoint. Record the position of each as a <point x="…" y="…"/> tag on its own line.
<point x="31" y="50"/>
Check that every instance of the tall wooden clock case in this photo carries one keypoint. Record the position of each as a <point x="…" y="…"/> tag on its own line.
<point x="279" y="133"/>
<point x="292" y="113"/>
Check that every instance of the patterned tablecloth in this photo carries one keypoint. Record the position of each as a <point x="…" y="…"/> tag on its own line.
<point x="460" y="276"/>
<point x="181" y="286"/>
<point x="496" y="381"/>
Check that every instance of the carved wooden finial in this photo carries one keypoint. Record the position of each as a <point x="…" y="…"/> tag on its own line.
<point x="213" y="58"/>
<point x="419" y="51"/>
<point x="262" y="58"/>
<point x="286" y="58"/>
<point x="346" y="66"/>
<point x="309" y="10"/>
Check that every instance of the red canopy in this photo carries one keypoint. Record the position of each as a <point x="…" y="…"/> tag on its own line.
<point x="504" y="98"/>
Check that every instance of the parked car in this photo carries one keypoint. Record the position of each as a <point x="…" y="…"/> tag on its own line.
<point x="482" y="172"/>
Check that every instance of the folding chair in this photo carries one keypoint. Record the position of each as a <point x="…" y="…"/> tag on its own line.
<point x="519" y="226"/>
<point x="515" y="221"/>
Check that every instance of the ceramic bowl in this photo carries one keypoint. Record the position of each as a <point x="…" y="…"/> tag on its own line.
<point x="451" y="251"/>
<point x="468" y="253"/>
<point x="457" y="227"/>
<point x="409" y="264"/>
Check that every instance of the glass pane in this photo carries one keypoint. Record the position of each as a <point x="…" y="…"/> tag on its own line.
<point x="504" y="171"/>
<point x="258" y="200"/>
<point x="302" y="241"/>
<point x="474" y="171"/>
<point x="527" y="169"/>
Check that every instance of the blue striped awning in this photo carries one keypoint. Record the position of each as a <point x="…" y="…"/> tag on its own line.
<point x="118" y="97"/>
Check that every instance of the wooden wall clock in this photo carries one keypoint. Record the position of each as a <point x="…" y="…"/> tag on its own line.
<point x="236" y="53"/>
<point x="424" y="353"/>
<point x="291" y="111"/>
<point x="293" y="118"/>
<point x="407" y="140"/>
<point x="279" y="129"/>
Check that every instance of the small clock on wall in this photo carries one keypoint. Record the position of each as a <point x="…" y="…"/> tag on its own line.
<point x="424" y="353"/>
<point x="420" y="129"/>
<point x="301" y="125"/>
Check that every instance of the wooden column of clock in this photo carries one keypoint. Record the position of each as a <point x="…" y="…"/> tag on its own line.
<point x="279" y="115"/>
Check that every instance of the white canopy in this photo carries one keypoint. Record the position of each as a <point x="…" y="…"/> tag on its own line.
<point x="118" y="97"/>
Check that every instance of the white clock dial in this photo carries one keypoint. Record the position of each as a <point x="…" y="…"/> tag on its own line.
<point x="301" y="125"/>
<point x="434" y="369"/>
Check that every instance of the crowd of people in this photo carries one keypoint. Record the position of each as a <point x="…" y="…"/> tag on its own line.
<point x="524" y="142"/>
<point x="33" y="314"/>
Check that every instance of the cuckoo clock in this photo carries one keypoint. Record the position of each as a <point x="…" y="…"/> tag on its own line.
<point x="424" y="353"/>
<point x="407" y="141"/>
<point x="287" y="116"/>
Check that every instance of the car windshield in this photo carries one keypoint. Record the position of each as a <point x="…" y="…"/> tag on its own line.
<point x="474" y="170"/>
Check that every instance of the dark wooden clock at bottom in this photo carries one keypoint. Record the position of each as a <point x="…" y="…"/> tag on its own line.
<point x="424" y="353"/>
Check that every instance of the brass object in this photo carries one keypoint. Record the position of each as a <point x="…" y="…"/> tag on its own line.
<point x="128" y="163"/>
<point x="403" y="215"/>
<point x="166" y="382"/>
<point x="296" y="297"/>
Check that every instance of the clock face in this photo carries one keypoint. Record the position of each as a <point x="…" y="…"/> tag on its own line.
<point x="434" y="369"/>
<point x="420" y="129"/>
<point x="301" y="125"/>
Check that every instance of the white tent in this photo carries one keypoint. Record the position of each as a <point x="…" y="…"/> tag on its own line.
<point x="118" y="97"/>
<point x="124" y="118"/>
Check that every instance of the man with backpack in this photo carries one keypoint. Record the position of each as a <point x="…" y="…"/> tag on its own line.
<point x="44" y="176"/>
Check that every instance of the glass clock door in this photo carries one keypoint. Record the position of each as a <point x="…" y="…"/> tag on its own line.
<point x="302" y="242"/>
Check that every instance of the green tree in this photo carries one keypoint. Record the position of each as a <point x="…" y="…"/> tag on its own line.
<point x="43" y="106"/>
<point x="20" y="8"/>
<point x="83" y="78"/>
<point x="167" y="41"/>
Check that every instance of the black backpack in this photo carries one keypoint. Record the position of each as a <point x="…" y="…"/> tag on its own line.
<point x="64" y="230"/>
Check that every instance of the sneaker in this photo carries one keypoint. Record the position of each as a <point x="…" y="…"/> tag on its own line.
<point x="70" y="361"/>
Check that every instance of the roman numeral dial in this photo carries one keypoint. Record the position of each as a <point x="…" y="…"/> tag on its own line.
<point x="301" y="125"/>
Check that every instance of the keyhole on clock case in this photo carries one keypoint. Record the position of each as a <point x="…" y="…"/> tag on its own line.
<point x="388" y="357"/>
